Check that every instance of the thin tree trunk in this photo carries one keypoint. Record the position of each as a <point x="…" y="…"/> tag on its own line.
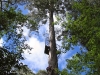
<point x="53" y="61"/>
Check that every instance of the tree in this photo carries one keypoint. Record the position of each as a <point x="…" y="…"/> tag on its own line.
<point x="80" y="65"/>
<point x="84" y="31"/>
<point x="24" y="70"/>
<point x="39" y="10"/>
<point x="10" y="62"/>
<point x="42" y="72"/>
<point x="11" y="21"/>
<point x="76" y="65"/>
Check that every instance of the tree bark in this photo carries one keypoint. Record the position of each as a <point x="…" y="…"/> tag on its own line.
<point x="53" y="61"/>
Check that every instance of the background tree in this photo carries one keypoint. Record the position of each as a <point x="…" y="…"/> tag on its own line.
<point x="11" y="22"/>
<point x="42" y="72"/>
<point x="9" y="60"/>
<point x="10" y="63"/>
<point x="80" y="65"/>
<point x="24" y="70"/>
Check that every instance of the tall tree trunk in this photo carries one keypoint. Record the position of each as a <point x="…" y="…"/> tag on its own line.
<point x="53" y="61"/>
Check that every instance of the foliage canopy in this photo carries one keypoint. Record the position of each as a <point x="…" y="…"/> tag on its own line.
<point x="84" y="31"/>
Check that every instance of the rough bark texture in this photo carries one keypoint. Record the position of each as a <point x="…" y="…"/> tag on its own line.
<point x="53" y="61"/>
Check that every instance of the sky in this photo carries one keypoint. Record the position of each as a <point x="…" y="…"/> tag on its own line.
<point x="37" y="60"/>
